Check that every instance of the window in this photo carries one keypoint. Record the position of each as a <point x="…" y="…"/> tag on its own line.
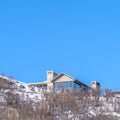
<point x="76" y="86"/>
<point x="63" y="86"/>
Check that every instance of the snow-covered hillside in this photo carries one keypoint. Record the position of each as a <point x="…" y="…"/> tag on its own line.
<point x="63" y="106"/>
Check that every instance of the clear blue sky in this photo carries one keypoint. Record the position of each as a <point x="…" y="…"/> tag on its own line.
<point x="78" y="37"/>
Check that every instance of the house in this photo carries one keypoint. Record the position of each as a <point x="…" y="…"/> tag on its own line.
<point x="62" y="82"/>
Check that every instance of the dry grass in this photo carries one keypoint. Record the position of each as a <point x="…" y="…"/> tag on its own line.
<point x="53" y="106"/>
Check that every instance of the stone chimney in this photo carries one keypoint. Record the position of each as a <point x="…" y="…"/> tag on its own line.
<point x="50" y="76"/>
<point x="96" y="86"/>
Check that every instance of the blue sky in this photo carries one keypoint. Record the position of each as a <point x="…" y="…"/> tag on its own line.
<point x="80" y="38"/>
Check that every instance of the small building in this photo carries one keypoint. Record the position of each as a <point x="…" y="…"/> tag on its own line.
<point x="116" y="94"/>
<point x="62" y="82"/>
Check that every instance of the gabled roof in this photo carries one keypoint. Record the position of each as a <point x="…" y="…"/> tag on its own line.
<point x="61" y="74"/>
<point x="75" y="80"/>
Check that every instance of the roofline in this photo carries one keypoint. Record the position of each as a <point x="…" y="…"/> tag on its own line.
<point x="75" y="80"/>
<point x="81" y="83"/>
<point x="60" y="75"/>
<point x="36" y="83"/>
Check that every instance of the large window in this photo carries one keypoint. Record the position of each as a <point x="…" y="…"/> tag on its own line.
<point x="76" y="86"/>
<point x="63" y="86"/>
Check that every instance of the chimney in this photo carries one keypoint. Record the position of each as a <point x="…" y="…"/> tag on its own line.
<point x="50" y="75"/>
<point x="95" y="86"/>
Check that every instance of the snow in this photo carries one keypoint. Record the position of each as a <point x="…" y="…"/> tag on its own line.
<point x="106" y="106"/>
